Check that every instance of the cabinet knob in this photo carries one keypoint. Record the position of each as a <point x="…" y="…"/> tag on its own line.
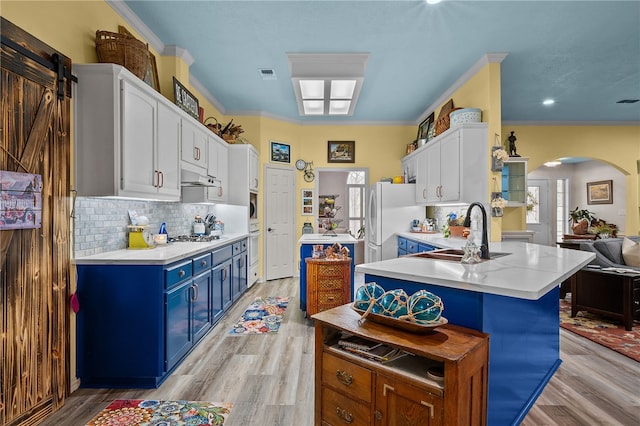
<point x="378" y="415"/>
<point x="203" y="263"/>
<point x="344" y="415"/>
<point x="181" y="273"/>
<point x="344" y="377"/>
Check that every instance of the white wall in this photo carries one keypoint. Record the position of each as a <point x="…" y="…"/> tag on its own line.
<point x="581" y="173"/>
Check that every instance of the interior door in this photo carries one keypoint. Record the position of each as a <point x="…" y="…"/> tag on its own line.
<point x="280" y="234"/>
<point x="34" y="263"/>
<point x="541" y="223"/>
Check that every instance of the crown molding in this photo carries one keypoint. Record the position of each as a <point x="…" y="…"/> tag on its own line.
<point x="128" y="15"/>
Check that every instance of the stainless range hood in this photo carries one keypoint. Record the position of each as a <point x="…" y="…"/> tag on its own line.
<point x="189" y="178"/>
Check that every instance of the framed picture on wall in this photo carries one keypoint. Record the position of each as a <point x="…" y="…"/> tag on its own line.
<point x="307" y="202"/>
<point x="600" y="192"/>
<point x="280" y="152"/>
<point x="341" y="152"/>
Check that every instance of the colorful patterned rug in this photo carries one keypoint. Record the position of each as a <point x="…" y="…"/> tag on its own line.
<point x="146" y="412"/>
<point x="602" y="330"/>
<point x="264" y="315"/>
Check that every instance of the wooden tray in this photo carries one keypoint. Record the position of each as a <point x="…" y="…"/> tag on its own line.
<point x="411" y="327"/>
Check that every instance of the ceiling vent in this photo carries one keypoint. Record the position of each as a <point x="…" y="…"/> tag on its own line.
<point x="267" y="74"/>
<point x="628" y="101"/>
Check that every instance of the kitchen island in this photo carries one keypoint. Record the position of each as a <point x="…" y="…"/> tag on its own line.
<point x="514" y="298"/>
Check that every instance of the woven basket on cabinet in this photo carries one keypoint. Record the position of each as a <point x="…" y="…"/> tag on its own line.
<point x="123" y="50"/>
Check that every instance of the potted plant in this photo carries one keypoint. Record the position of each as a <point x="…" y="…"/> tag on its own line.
<point x="603" y="229"/>
<point x="454" y="226"/>
<point x="580" y="220"/>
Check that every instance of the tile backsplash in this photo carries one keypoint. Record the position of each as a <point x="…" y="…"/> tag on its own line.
<point x="100" y="224"/>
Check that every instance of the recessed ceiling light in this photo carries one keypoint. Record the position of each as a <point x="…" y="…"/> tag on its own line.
<point x="552" y="163"/>
<point x="548" y="102"/>
<point x="433" y="1"/>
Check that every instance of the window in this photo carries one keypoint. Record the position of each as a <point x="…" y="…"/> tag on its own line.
<point x="355" y="201"/>
<point x="562" y="211"/>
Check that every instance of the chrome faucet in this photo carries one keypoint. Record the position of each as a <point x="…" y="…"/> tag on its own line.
<point x="484" y="248"/>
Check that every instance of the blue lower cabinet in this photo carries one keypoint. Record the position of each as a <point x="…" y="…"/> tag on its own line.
<point x="136" y="323"/>
<point x="221" y="291"/>
<point x="178" y="312"/>
<point x="407" y="246"/>
<point x="422" y="247"/>
<point x="239" y="271"/>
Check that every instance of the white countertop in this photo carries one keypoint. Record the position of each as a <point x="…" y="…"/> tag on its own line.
<point x="160" y="255"/>
<point x="327" y="239"/>
<point x="528" y="272"/>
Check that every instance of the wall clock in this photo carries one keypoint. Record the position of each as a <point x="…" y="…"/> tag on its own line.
<point x="301" y="164"/>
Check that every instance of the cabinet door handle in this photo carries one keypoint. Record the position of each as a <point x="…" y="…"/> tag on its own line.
<point x="430" y="406"/>
<point x="196" y="291"/>
<point x="344" y="415"/>
<point x="224" y="275"/>
<point x="161" y="179"/>
<point x="424" y="193"/>
<point x="344" y="377"/>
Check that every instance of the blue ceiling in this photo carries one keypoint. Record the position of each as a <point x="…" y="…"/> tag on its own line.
<point x="583" y="54"/>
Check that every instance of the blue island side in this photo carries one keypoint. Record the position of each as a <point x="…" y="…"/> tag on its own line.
<point x="524" y="341"/>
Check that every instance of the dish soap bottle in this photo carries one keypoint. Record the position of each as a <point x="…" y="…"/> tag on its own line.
<point x="163" y="229"/>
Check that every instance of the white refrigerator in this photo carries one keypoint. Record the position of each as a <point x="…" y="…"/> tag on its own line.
<point x="390" y="210"/>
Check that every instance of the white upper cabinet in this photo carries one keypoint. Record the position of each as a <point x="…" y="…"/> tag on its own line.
<point x="127" y="136"/>
<point x="243" y="173"/>
<point x="453" y="167"/>
<point x="218" y="168"/>
<point x="194" y="146"/>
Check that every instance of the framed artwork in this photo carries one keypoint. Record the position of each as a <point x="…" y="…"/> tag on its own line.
<point x="341" y="152"/>
<point x="280" y="152"/>
<point x="600" y="192"/>
<point x="184" y="99"/>
<point x="307" y="202"/>
<point x="423" y="128"/>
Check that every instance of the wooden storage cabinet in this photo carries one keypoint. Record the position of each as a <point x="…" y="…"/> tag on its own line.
<point x="328" y="283"/>
<point x="356" y="391"/>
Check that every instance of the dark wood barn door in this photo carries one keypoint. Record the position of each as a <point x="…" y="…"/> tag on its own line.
<point x="34" y="263"/>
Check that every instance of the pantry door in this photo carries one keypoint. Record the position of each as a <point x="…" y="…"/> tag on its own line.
<point x="279" y="223"/>
<point x="34" y="258"/>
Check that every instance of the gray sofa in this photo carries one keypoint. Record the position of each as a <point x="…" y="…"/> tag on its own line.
<point x="608" y="252"/>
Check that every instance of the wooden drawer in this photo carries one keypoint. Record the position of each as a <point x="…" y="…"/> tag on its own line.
<point x="331" y="283"/>
<point x="330" y="299"/>
<point x="330" y="270"/>
<point x="338" y="410"/>
<point x="177" y="273"/>
<point x="201" y="263"/>
<point x="346" y="377"/>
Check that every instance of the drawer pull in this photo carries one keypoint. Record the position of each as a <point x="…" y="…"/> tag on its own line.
<point x="344" y="415"/>
<point x="344" y="377"/>
<point x="426" y="404"/>
<point x="377" y="414"/>
<point x="181" y="273"/>
<point x="203" y="263"/>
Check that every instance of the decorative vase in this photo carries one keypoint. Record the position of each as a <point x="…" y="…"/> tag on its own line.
<point x="581" y="227"/>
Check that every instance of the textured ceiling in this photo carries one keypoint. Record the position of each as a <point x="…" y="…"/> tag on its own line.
<point x="584" y="54"/>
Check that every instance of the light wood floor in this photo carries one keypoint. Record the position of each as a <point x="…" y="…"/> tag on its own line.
<point x="269" y="378"/>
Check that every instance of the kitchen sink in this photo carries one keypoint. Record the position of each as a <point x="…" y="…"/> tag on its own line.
<point x="452" y="255"/>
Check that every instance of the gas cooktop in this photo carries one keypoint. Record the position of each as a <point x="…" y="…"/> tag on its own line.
<point x="193" y="238"/>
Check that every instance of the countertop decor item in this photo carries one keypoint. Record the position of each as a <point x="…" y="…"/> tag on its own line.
<point x="465" y="115"/>
<point x="424" y="126"/>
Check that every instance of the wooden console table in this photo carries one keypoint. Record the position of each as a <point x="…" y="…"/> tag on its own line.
<point x="613" y="294"/>
<point x="350" y="389"/>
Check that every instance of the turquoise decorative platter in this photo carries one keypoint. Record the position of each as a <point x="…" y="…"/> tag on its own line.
<point x="411" y="327"/>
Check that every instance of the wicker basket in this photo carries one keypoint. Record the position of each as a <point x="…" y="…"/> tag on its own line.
<point x="123" y="50"/>
<point x="442" y="123"/>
